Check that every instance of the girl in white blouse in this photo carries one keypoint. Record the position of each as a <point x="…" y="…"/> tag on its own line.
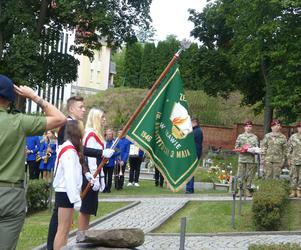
<point x="67" y="181"/>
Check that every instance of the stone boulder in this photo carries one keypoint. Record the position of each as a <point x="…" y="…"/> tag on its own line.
<point x="114" y="238"/>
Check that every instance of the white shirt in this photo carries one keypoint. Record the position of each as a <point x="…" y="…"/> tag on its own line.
<point x="92" y="143"/>
<point x="68" y="173"/>
<point x="92" y="161"/>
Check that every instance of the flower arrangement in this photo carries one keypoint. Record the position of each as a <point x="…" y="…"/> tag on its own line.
<point x="221" y="173"/>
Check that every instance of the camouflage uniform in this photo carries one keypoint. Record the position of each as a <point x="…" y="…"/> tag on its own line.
<point x="247" y="162"/>
<point x="274" y="151"/>
<point x="294" y="156"/>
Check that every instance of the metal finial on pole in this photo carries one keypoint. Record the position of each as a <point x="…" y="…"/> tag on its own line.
<point x="185" y="44"/>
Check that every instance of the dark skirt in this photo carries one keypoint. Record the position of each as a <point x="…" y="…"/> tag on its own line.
<point x="90" y="202"/>
<point x="62" y="200"/>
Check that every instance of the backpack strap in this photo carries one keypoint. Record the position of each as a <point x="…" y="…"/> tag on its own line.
<point x="93" y="134"/>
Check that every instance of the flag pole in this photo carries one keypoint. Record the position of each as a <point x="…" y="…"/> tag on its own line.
<point x="185" y="44"/>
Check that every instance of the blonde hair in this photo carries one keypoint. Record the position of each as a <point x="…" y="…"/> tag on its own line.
<point x="94" y="121"/>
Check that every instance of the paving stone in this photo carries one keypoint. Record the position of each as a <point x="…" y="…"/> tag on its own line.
<point x="152" y="211"/>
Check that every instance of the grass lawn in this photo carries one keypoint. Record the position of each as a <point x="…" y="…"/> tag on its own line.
<point x="35" y="229"/>
<point x="292" y="218"/>
<point x="287" y="246"/>
<point x="147" y="187"/>
<point x="214" y="217"/>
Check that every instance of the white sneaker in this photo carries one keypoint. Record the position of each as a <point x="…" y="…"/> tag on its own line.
<point x="129" y="184"/>
<point x="136" y="184"/>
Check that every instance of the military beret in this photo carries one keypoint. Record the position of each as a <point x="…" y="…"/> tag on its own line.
<point x="275" y="122"/>
<point x="248" y="123"/>
<point x="299" y="125"/>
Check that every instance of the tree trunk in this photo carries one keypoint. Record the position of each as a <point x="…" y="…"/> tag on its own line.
<point x="268" y="115"/>
<point x="268" y="110"/>
<point x="42" y="16"/>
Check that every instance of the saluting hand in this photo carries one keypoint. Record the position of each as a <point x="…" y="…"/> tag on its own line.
<point x="25" y="91"/>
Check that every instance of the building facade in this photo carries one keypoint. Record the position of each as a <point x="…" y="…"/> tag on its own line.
<point x="93" y="75"/>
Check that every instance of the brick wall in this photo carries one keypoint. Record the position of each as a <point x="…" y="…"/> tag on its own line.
<point x="225" y="137"/>
<point x="218" y="136"/>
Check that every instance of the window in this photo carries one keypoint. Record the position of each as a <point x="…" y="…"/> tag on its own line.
<point x="99" y="55"/>
<point x="98" y="77"/>
<point x="91" y="75"/>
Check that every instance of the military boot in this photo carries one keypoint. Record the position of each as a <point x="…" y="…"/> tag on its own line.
<point x="299" y="192"/>
<point x="293" y="193"/>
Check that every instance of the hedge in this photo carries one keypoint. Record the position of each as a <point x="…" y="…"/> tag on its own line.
<point x="269" y="204"/>
<point x="287" y="246"/>
<point x="37" y="195"/>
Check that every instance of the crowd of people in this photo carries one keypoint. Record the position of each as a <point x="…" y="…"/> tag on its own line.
<point x="67" y="153"/>
<point x="95" y="143"/>
<point x="41" y="154"/>
<point x="274" y="152"/>
<point x="65" y="147"/>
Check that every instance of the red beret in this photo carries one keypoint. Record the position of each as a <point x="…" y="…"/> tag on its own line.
<point x="248" y="123"/>
<point x="275" y="122"/>
<point x="299" y="125"/>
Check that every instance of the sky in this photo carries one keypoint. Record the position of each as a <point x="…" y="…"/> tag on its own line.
<point x="171" y="17"/>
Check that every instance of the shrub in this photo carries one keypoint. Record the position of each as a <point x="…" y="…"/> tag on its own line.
<point x="37" y="195"/>
<point x="287" y="246"/>
<point x="269" y="203"/>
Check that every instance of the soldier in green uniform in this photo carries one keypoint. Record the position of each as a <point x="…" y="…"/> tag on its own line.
<point x="14" y="127"/>
<point x="273" y="151"/>
<point x="247" y="162"/>
<point x="294" y="159"/>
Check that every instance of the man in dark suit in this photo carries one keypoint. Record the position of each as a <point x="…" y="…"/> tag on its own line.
<point x="198" y="139"/>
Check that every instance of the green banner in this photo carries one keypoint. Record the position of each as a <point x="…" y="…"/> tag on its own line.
<point x="163" y="129"/>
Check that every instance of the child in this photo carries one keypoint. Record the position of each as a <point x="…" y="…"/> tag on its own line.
<point x="48" y="155"/>
<point x="68" y="181"/>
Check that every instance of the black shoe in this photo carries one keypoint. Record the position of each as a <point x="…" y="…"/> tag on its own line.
<point x="189" y="192"/>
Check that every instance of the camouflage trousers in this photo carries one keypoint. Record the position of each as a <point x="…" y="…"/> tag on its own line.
<point x="295" y="176"/>
<point x="246" y="172"/>
<point x="272" y="170"/>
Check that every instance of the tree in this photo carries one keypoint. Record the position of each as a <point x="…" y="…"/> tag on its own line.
<point x="146" y="34"/>
<point x="189" y="66"/>
<point x="260" y="43"/>
<point x="30" y="31"/>
<point x="132" y="64"/>
<point x="165" y="51"/>
<point x="148" y="65"/>
<point x="155" y="59"/>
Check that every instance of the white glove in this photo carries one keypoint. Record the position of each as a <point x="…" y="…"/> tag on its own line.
<point x="96" y="185"/>
<point x="254" y="150"/>
<point x="107" y="153"/>
<point x="89" y="177"/>
<point x="102" y="181"/>
<point x="77" y="205"/>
